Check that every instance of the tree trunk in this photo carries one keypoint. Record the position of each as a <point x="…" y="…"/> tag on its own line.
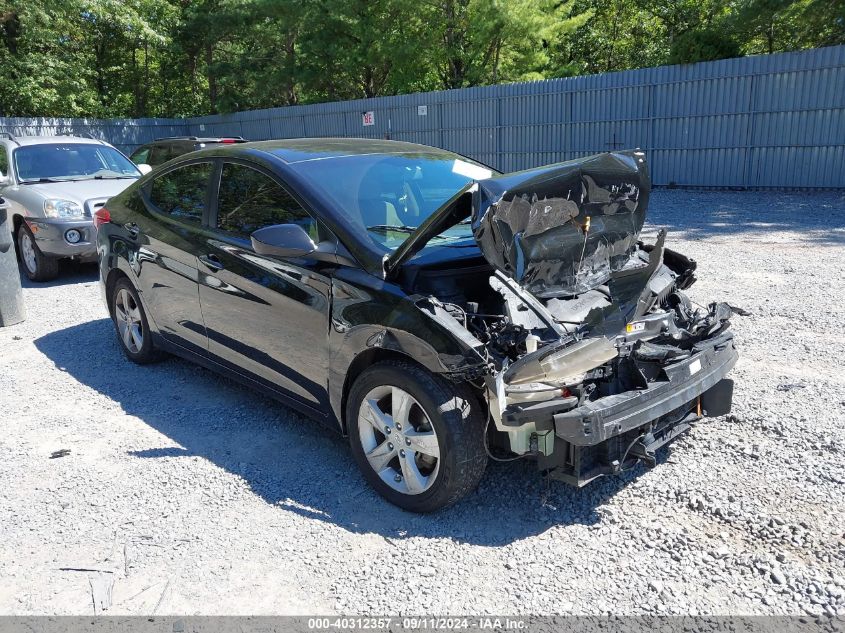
<point x="146" y="88"/>
<point x="212" y="79"/>
<point x="290" y="53"/>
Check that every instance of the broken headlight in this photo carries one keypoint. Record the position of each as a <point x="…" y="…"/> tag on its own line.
<point x="561" y="365"/>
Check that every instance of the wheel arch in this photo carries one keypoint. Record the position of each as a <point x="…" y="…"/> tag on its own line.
<point x="361" y="362"/>
<point x="17" y="220"/>
<point x="115" y="275"/>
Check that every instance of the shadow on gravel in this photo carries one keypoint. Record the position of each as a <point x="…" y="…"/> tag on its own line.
<point x="297" y="464"/>
<point x="819" y="217"/>
<point x="69" y="273"/>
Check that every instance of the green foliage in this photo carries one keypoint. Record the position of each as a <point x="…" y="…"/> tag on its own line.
<point x="115" y="58"/>
<point x="702" y="45"/>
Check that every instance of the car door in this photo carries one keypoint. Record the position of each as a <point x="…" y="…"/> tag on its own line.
<point x="169" y="233"/>
<point x="266" y="318"/>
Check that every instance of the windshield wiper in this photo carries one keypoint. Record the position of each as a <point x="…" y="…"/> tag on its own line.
<point x="113" y="177"/>
<point x="384" y="228"/>
<point x="35" y="181"/>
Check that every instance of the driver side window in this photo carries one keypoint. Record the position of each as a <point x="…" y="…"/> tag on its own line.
<point x="248" y="200"/>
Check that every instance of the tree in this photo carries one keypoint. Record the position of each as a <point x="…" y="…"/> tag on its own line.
<point x="108" y="58"/>
<point x="702" y="45"/>
<point x="487" y="41"/>
<point x="767" y="26"/>
<point x="46" y="70"/>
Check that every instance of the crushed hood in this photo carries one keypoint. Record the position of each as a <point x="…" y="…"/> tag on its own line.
<point x="563" y="229"/>
<point x="556" y="230"/>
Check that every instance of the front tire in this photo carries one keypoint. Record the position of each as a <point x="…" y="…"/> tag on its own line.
<point x="417" y="438"/>
<point x="131" y="324"/>
<point x="36" y="265"/>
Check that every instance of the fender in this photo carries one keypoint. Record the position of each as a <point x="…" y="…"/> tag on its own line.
<point x="404" y="328"/>
<point x="118" y="259"/>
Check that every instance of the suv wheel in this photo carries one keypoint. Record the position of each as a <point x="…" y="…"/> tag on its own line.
<point x="36" y="265"/>
<point x="131" y="325"/>
<point x="418" y="439"/>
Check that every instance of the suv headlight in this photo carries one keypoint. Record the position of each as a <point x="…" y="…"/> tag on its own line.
<point x="58" y="208"/>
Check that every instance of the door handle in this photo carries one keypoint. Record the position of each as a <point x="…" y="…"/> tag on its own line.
<point x="133" y="228"/>
<point x="212" y="261"/>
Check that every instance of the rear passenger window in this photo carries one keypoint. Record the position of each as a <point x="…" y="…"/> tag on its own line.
<point x="141" y="156"/>
<point x="249" y="200"/>
<point x="160" y="154"/>
<point x="181" y="193"/>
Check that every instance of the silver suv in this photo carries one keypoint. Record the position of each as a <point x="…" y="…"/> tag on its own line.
<point x="54" y="185"/>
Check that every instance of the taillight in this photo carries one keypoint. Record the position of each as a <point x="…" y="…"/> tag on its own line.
<point x="228" y="141"/>
<point x="101" y="216"/>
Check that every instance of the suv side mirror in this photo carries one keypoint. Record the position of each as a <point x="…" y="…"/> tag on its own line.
<point x="144" y="168"/>
<point x="282" y="240"/>
<point x="5" y="180"/>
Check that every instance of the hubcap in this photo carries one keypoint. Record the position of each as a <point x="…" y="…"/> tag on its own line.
<point x="28" y="253"/>
<point x="399" y="440"/>
<point x="127" y="315"/>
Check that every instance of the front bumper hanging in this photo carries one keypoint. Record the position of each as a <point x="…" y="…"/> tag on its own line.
<point x="599" y="420"/>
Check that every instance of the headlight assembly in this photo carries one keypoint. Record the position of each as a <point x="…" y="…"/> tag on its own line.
<point x="67" y="209"/>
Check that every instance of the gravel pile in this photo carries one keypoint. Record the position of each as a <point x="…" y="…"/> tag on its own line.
<point x="185" y="493"/>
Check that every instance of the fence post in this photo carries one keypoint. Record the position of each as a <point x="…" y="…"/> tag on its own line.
<point x="11" y="297"/>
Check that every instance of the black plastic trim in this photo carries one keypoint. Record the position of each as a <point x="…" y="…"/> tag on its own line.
<point x="596" y="421"/>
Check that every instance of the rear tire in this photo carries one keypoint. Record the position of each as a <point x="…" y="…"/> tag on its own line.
<point x="131" y="324"/>
<point x="36" y="265"/>
<point x="433" y="453"/>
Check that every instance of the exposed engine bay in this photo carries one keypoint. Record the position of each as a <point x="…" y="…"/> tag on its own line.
<point x="594" y="355"/>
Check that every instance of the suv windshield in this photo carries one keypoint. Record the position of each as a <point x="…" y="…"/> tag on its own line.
<point x="390" y="195"/>
<point x="71" y="161"/>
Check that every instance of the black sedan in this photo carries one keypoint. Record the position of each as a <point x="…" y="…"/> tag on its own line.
<point x="436" y="312"/>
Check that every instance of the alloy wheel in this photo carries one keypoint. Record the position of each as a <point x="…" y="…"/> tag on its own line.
<point x="127" y="315"/>
<point x="28" y="253"/>
<point x="399" y="440"/>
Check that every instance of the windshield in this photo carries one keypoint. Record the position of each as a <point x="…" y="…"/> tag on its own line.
<point x="71" y="161"/>
<point x="391" y="195"/>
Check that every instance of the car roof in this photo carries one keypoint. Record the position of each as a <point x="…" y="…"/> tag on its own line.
<point x="287" y="154"/>
<point x="45" y="140"/>
<point x="197" y="139"/>
<point x="297" y="150"/>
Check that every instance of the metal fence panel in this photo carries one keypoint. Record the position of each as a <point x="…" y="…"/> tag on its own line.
<point x="764" y="121"/>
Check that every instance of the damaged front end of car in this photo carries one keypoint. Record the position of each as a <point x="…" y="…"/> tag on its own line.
<point x="594" y="356"/>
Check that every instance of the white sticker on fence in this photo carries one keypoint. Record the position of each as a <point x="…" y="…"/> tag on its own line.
<point x="422" y="110"/>
<point x="368" y="118"/>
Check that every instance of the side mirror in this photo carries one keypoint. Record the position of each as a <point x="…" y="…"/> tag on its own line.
<point x="5" y="180"/>
<point x="144" y="168"/>
<point x="283" y="240"/>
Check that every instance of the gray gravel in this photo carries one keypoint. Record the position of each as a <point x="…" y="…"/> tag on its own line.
<point x="185" y="493"/>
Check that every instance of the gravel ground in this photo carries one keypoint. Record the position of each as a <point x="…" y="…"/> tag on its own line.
<point x="184" y="493"/>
